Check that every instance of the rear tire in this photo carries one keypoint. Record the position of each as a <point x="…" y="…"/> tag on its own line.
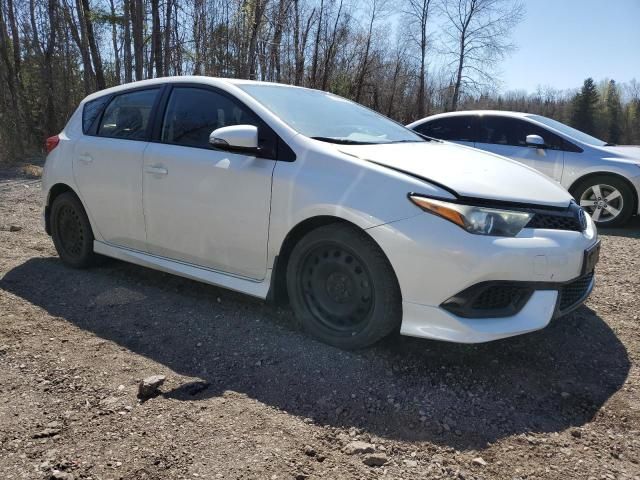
<point x="607" y="198"/>
<point x="342" y="288"/>
<point x="71" y="232"/>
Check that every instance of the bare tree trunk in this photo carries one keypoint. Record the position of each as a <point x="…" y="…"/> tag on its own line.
<point x="50" y="112"/>
<point x="365" y="59"/>
<point x="331" y="50"/>
<point x="156" y="38"/>
<point x="114" y="40"/>
<point x="128" y="66"/>
<point x="84" y="14"/>
<point x="256" y="24"/>
<point x="283" y="7"/>
<point x="87" y="68"/>
<point x="167" y="38"/>
<point x="316" y="48"/>
<point x="10" y="79"/>
<point x="137" y="27"/>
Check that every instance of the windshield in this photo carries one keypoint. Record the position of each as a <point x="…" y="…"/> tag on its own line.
<point x="327" y="117"/>
<point x="569" y="131"/>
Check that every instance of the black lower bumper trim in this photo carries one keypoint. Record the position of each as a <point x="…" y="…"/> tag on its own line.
<point x="498" y="299"/>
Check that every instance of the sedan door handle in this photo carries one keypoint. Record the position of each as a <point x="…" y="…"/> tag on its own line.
<point x="156" y="170"/>
<point x="85" y="158"/>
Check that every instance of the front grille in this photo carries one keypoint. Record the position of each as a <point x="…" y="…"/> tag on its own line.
<point x="574" y="292"/>
<point x="498" y="297"/>
<point x="555" y="222"/>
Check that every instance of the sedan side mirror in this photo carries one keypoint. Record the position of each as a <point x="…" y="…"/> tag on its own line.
<point x="241" y="138"/>
<point x="535" y="141"/>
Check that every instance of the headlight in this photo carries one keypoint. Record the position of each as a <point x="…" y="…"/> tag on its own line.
<point x="477" y="220"/>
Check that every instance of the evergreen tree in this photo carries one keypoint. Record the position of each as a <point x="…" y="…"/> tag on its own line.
<point x="614" y="112"/>
<point x="584" y="107"/>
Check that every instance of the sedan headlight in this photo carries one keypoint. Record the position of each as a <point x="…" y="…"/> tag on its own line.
<point x="476" y="219"/>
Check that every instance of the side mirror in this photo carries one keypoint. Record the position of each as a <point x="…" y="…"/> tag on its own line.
<point x="535" y="141"/>
<point x="241" y="138"/>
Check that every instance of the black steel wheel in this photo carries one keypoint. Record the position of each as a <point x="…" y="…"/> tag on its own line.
<point x="71" y="232"/>
<point x="342" y="287"/>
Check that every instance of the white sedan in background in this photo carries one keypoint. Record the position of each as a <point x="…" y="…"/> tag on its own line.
<point x="289" y="193"/>
<point x="603" y="178"/>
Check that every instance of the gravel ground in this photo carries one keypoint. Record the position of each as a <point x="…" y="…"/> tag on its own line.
<point x="247" y="395"/>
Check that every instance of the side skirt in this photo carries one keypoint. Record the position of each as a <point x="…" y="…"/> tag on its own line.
<point x="239" y="284"/>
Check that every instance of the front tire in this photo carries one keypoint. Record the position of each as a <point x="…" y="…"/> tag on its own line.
<point x="342" y="288"/>
<point x="606" y="198"/>
<point x="71" y="232"/>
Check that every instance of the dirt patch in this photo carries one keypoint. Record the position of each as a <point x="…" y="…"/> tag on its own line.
<point x="247" y="395"/>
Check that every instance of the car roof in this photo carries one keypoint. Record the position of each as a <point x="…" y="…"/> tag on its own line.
<point x="202" y="79"/>
<point x="501" y="113"/>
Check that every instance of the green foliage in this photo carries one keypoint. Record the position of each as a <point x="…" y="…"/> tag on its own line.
<point x="584" y="107"/>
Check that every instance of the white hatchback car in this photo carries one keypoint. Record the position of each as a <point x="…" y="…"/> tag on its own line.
<point x="285" y="192"/>
<point x="603" y="178"/>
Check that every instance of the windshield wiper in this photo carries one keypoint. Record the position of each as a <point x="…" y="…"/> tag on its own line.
<point x="341" y="141"/>
<point x="610" y="145"/>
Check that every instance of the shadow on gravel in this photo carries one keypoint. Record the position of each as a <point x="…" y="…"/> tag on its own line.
<point x="404" y="389"/>
<point x="630" y="230"/>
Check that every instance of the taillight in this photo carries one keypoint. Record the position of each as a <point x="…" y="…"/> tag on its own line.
<point x="51" y="143"/>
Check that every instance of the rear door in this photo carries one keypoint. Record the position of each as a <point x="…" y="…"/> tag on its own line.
<point x="506" y="136"/>
<point x="107" y="166"/>
<point x="456" y="128"/>
<point x="204" y="206"/>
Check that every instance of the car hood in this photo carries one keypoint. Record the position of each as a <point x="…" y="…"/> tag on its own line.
<point x="467" y="171"/>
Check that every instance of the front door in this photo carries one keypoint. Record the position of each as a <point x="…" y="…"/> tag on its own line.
<point x="107" y="168"/>
<point x="204" y="206"/>
<point x="506" y="136"/>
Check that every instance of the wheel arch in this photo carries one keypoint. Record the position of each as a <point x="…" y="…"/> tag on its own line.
<point x="278" y="288"/>
<point x="622" y="178"/>
<point x="54" y="192"/>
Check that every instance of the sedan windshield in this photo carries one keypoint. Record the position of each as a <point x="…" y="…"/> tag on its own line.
<point x="327" y="117"/>
<point x="569" y="131"/>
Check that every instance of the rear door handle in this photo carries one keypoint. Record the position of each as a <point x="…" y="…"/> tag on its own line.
<point x="156" y="170"/>
<point x="85" y="158"/>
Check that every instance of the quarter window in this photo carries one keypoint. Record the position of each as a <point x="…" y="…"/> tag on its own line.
<point x="91" y="111"/>
<point x="193" y="113"/>
<point x="127" y="115"/>
<point x="458" y="128"/>
<point x="513" y="131"/>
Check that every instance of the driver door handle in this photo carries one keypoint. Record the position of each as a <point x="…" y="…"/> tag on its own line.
<point x="85" y="158"/>
<point x="156" y="170"/>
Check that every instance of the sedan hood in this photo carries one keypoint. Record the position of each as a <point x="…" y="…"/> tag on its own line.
<point x="467" y="171"/>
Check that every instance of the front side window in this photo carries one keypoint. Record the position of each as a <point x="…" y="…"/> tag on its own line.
<point x="327" y="117"/>
<point x="127" y="115"/>
<point x="458" y="128"/>
<point x="499" y="130"/>
<point x="193" y="113"/>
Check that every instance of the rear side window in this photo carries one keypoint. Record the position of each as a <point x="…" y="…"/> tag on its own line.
<point x="513" y="131"/>
<point x="92" y="111"/>
<point x="459" y="128"/>
<point x="127" y="115"/>
<point x="193" y="113"/>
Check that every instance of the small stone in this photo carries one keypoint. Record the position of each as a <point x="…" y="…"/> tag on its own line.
<point x="309" y="451"/>
<point x="576" y="433"/>
<point x="479" y="461"/>
<point x="375" y="460"/>
<point x="358" y="447"/>
<point x="58" y="475"/>
<point x="411" y="463"/>
<point x="149" y="386"/>
<point x="565" y="394"/>
<point x="15" y="228"/>
<point x="47" y="432"/>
